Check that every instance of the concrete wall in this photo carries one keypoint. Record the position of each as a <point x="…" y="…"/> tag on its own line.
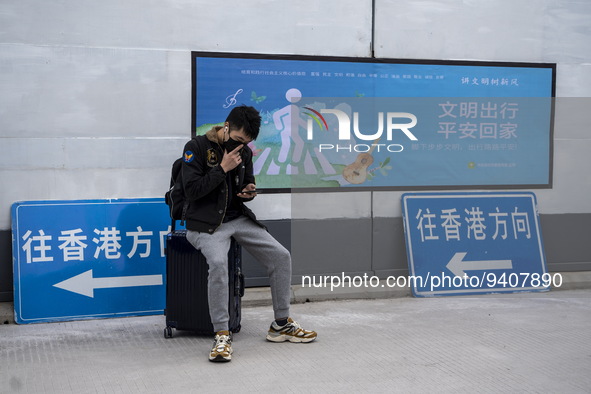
<point x="95" y="97"/>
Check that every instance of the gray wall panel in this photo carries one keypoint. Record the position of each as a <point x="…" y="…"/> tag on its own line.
<point x="389" y="249"/>
<point x="567" y="241"/>
<point x="5" y="265"/>
<point x="331" y="246"/>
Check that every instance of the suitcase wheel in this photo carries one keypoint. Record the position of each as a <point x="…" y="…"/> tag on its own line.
<point x="168" y="332"/>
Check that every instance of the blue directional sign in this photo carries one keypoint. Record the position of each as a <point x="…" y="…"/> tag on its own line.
<point x="88" y="259"/>
<point x="474" y="243"/>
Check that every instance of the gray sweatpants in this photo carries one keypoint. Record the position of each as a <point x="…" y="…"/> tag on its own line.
<point x="258" y="242"/>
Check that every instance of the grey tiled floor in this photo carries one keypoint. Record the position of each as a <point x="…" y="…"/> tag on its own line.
<point x="535" y="343"/>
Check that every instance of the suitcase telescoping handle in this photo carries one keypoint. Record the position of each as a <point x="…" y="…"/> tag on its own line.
<point x="183" y="216"/>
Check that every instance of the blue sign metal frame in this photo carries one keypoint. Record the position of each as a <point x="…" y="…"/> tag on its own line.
<point x="473" y="243"/>
<point x="88" y="259"/>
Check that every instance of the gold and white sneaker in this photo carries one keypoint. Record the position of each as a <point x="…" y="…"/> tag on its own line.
<point x="291" y="332"/>
<point x="222" y="347"/>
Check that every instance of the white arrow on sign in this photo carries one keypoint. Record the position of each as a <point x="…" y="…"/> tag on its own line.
<point x="85" y="284"/>
<point x="459" y="266"/>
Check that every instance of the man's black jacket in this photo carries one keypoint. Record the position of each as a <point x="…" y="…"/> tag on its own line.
<point x="204" y="182"/>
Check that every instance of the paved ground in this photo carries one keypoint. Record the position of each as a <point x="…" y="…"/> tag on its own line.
<point x="537" y="343"/>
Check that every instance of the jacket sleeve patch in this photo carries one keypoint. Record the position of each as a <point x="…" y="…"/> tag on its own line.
<point x="188" y="156"/>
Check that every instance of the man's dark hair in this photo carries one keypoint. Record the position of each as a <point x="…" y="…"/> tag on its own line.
<point x="247" y="117"/>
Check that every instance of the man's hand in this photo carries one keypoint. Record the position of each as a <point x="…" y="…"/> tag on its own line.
<point x="231" y="160"/>
<point x="248" y="192"/>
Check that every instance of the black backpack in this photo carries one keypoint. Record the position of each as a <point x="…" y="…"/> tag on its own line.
<point x="175" y="196"/>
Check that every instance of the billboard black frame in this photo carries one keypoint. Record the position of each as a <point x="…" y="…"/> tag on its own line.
<point x="552" y="66"/>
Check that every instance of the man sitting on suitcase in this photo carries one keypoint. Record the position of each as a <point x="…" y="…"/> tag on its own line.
<point x="218" y="178"/>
